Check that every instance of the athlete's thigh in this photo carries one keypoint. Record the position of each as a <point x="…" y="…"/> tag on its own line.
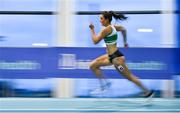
<point x="102" y="60"/>
<point x="121" y="66"/>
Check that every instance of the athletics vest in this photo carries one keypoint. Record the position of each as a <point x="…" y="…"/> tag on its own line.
<point x="112" y="37"/>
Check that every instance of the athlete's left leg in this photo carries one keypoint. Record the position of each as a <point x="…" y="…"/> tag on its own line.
<point x="121" y="67"/>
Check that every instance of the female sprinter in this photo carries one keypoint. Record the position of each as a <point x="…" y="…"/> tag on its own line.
<point x="113" y="55"/>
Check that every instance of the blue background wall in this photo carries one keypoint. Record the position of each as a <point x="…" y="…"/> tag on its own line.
<point x="178" y="23"/>
<point x="42" y="29"/>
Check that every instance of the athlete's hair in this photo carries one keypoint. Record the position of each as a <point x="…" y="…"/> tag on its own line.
<point x="109" y="14"/>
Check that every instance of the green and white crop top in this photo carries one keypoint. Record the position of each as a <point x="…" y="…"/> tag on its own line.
<point x="112" y="37"/>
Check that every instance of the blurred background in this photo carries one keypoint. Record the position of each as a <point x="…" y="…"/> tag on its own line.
<point x="60" y="23"/>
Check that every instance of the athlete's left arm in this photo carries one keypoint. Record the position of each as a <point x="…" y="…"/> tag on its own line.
<point x="97" y="38"/>
<point x="124" y="33"/>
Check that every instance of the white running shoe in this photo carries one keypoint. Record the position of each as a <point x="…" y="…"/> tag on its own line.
<point x="101" y="89"/>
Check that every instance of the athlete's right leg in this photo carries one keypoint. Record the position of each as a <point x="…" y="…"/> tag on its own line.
<point x="97" y="63"/>
<point x="95" y="67"/>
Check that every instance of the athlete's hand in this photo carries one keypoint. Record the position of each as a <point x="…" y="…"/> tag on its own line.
<point x="126" y="45"/>
<point x="91" y="26"/>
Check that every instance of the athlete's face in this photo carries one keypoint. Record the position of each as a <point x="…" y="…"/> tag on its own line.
<point x="103" y="21"/>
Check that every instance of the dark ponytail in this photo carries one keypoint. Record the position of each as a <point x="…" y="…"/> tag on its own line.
<point x="118" y="16"/>
<point x="109" y="14"/>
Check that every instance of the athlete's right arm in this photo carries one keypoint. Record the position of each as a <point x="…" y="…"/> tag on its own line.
<point x="97" y="38"/>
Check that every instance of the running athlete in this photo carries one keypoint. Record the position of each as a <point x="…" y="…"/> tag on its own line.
<point x="113" y="55"/>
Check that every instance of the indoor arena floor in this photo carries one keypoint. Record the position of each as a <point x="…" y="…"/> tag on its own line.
<point x="89" y="105"/>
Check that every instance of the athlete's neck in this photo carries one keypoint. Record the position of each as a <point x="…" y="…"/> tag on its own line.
<point x="107" y="25"/>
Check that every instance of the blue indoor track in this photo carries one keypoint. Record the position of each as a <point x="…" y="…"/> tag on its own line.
<point x="89" y="105"/>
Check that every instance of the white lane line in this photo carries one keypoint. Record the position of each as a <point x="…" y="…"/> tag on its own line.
<point x="93" y="110"/>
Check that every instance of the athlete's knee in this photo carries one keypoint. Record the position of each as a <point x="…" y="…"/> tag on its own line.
<point x="93" y="65"/>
